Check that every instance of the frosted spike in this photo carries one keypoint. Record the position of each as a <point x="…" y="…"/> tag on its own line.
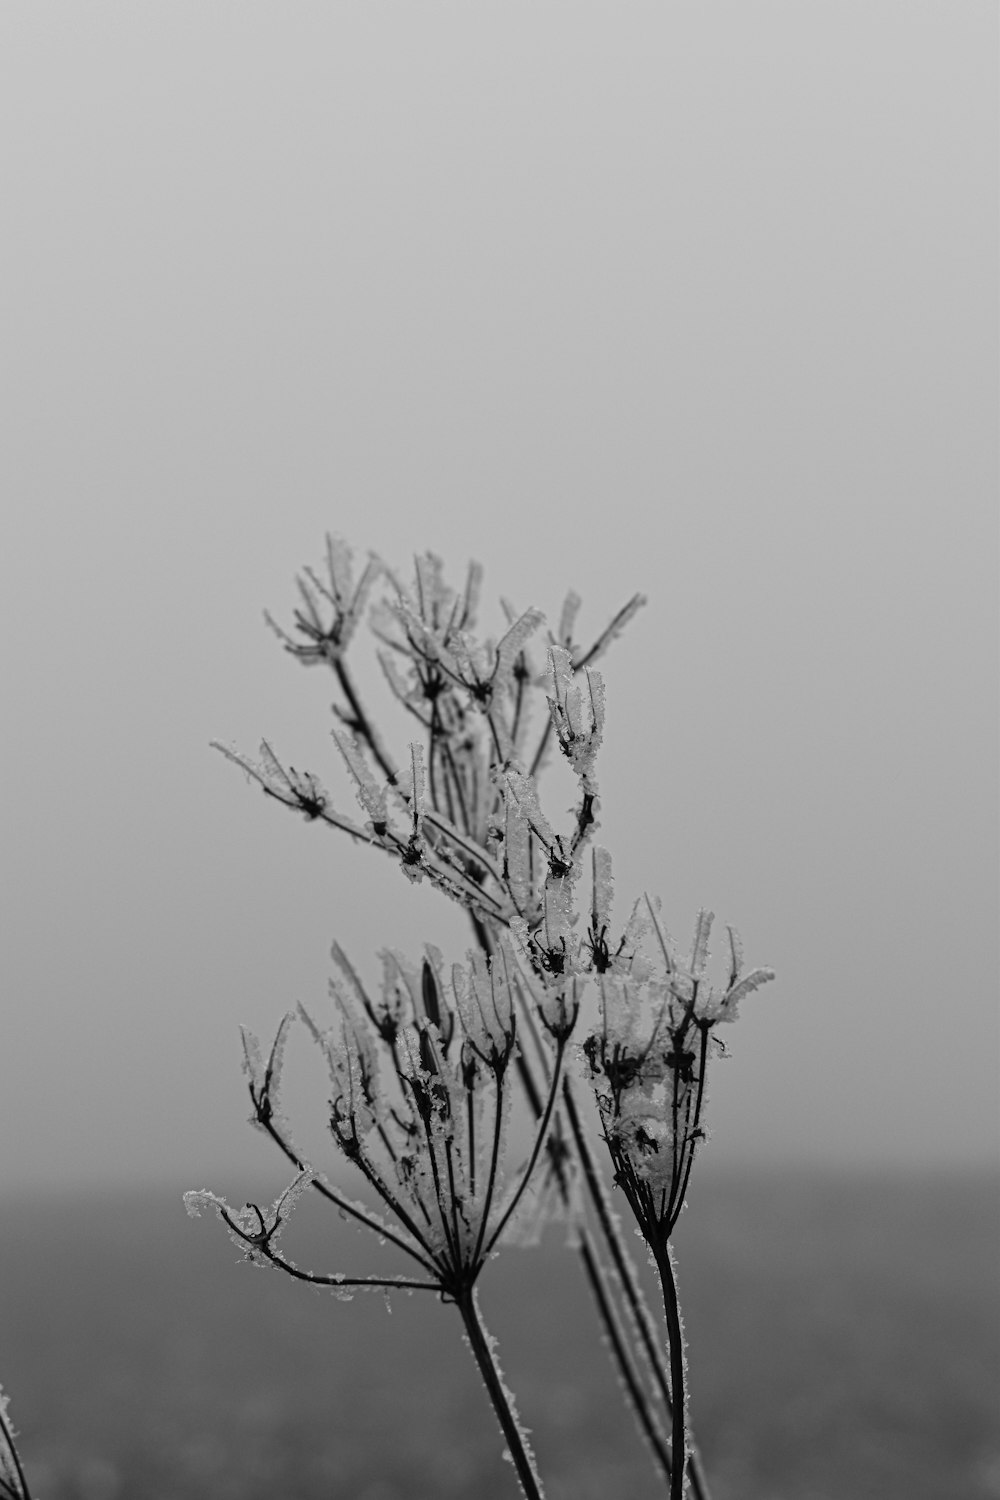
<point x="522" y="793"/>
<point x="384" y="617"/>
<point x="257" y="772"/>
<point x="559" y="915"/>
<point x="338" y="560"/>
<point x="418" y="787"/>
<point x="602" y="894"/>
<point x="347" y="969"/>
<point x="577" y="715"/>
<point x="484" y="1001"/>
<point x="621" y="619"/>
<point x="405" y="692"/>
<point x="735" y="956"/>
<point x="286" y="640"/>
<point x="620" y="1010"/>
<point x="595" y="684"/>
<point x="744" y="986"/>
<point x="561" y="668"/>
<point x="322" y="1038"/>
<point x="283" y="1205"/>
<point x="434" y="597"/>
<point x="699" y="947"/>
<point x="313" y="623"/>
<point x="399" y="980"/>
<point x="371" y="796"/>
<point x="664" y="939"/>
<point x="513" y="641"/>
<point x="470" y="601"/>
<point x="253" y="1062"/>
<point x="567" y="619"/>
<point x="517" y="854"/>
<point x="431" y="990"/>
<point x="195" y="1199"/>
<point x="266" y="1079"/>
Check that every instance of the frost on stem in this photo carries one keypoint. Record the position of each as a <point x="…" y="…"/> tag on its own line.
<point x="484" y="1350"/>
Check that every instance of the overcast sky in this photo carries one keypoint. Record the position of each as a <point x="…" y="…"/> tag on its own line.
<point x="693" y="299"/>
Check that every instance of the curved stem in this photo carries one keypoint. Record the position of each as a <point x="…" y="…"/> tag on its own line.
<point x="482" y="1349"/>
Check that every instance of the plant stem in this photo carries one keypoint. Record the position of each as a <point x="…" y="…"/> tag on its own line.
<point x="675" y="1337"/>
<point x="8" y="1437"/>
<point x="632" y="1386"/>
<point x="630" y="1286"/>
<point x="482" y="1349"/>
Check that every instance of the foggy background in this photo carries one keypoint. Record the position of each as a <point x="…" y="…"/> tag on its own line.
<point x="693" y="300"/>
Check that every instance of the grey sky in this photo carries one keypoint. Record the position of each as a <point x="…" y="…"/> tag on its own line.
<point x="697" y="300"/>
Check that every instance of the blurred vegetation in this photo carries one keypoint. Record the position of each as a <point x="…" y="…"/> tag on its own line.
<point x="845" y="1336"/>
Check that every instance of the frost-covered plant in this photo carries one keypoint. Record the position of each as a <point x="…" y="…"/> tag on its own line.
<point x="420" y="1097"/>
<point x="648" y="1059"/>
<point x="13" y="1483"/>
<point x="417" y="1076"/>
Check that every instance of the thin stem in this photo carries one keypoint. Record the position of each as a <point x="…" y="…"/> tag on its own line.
<point x="540" y="1134"/>
<point x="482" y="1350"/>
<point x="627" y="1278"/>
<point x="8" y="1438"/>
<point x="691" y="1135"/>
<point x="347" y="1207"/>
<point x="336" y="1281"/>
<point x="365" y="726"/>
<point x="612" y="1234"/>
<point x="671" y="1306"/>
<point x="494" y="1159"/>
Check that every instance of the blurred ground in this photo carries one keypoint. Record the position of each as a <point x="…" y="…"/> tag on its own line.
<point x="844" y="1345"/>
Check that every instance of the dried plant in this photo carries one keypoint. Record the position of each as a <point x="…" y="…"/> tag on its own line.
<point x="422" y="1078"/>
<point x="420" y="1096"/>
<point x="648" y="1058"/>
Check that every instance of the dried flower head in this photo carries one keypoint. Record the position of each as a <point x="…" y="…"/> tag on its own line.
<point x="648" y="1056"/>
<point x="419" y="1102"/>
